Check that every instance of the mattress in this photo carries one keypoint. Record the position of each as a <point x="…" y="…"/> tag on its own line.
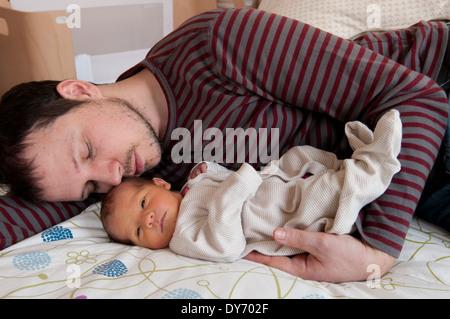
<point x="76" y="260"/>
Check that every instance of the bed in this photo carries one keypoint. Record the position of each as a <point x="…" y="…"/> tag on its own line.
<point x="76" y="259"/>
<point x="62" y="251"/>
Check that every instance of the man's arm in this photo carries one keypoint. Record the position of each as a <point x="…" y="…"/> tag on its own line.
<point x="333" y="81"/>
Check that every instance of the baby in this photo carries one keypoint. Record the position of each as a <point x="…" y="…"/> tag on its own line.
<point x="222" y="215"/>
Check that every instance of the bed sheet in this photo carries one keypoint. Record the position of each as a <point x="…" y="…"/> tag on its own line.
<point x="76" y="259"/>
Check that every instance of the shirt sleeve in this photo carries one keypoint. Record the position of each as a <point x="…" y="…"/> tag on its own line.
<point x="337" y="80"/>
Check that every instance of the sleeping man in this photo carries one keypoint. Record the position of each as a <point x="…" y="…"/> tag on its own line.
<point x="221" y="215"/>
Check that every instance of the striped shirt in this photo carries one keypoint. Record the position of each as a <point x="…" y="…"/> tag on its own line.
<point x="248" y="69"/>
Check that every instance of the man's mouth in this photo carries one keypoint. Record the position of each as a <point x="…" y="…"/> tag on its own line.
<point x="139" y="166"/>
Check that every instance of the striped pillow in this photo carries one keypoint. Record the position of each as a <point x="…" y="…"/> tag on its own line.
<point x="20" y="219"/>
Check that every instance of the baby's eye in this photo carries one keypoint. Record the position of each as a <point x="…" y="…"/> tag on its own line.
<point x="143" y="203"/>
<point x="138" y="231"/>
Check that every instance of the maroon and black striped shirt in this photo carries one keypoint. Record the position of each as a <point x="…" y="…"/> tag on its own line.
<point x="247" y="69"/>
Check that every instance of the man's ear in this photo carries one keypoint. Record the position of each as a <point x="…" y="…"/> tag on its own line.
<point x="78" y="90"/>
<point x="161" y="183"/>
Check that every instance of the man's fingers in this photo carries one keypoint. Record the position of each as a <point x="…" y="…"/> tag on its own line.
<point x="258" y="257"/>
<point x="311" y="242"/>
<point x="287" y="264"/>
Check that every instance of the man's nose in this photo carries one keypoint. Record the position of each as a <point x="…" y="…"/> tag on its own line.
<point x="114" y="173"/>
<point x="107" y="175"/>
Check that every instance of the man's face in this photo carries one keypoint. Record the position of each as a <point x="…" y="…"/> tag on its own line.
<point x="90" y="149"/>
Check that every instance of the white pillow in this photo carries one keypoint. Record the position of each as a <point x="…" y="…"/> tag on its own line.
<point x="348" y="18"/>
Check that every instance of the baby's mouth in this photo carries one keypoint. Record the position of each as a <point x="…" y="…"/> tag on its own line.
<point x="162" y="222"/>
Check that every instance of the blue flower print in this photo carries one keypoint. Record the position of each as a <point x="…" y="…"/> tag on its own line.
<point x="313" y="296"/>
<point x="113" y="268"/>
<point x="56" y="233"/>
<point x="182" y="293"/>
<point x="32" y="261"/>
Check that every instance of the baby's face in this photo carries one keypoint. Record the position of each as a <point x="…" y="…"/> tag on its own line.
<point x="144" y="215"/>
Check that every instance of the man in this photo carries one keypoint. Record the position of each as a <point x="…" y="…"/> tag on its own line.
<point x="242" y="69"/>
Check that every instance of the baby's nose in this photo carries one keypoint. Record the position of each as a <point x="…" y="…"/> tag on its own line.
<point x="149" y="219"/>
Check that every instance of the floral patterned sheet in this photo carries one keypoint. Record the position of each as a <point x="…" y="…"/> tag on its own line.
<point x="76" y="259"/>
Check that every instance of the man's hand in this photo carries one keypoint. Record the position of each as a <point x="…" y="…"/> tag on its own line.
<point x="329" y="257"/>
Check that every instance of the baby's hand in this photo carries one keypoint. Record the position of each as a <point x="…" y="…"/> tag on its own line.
<point x="199" y="169"/>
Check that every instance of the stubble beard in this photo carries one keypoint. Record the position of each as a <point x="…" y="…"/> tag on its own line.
<point x="154" y="142"/>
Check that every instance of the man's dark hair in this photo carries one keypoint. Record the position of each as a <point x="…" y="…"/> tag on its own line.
<point x="23" y="109"/>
